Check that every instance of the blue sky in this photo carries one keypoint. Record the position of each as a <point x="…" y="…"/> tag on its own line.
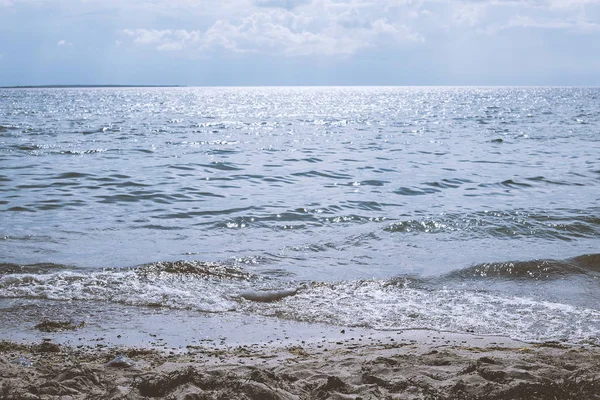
<point x="300" y="42"/>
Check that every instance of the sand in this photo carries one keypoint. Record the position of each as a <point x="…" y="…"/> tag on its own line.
<point x="354" y="365"/>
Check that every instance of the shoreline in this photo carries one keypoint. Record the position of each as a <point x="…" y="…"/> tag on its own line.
<point x="354" y="365"/>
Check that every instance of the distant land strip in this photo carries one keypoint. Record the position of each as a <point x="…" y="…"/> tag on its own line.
<point x="84" y="86"/>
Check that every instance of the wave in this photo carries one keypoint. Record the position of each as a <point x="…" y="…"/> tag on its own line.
<point x="585" y="265"/>
<point x="38" y="268"/>
<point x="442" y="303"/>
<point x="379" y="305"/>
<point x="194" y="268"/>
<point x="504" y="225"/>
<point x="179" y="285"/>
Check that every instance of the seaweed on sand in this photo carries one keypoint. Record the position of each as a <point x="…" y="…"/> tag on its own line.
<point x="58" y="326"/>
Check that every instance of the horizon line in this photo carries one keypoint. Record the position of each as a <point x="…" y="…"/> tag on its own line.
<point x="68" y="86"/>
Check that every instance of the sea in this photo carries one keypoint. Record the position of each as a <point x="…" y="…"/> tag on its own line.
<point x="456" y="209"/>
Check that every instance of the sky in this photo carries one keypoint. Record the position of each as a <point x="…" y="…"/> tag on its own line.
<point x="300" y="42"/>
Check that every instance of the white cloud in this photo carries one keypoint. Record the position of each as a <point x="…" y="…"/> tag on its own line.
<point x="495" y="16"/>
<point x="323" y="27"/>
<point x="164" y="40"/>
<point x="62" y="43"/>
<point x="147" y="36"/>
<point x="469" y="14"/>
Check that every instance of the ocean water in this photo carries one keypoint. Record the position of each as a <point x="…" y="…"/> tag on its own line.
<point x="457" y="209"/>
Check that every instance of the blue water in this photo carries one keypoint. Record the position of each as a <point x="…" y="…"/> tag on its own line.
<point x="463" y="209"/>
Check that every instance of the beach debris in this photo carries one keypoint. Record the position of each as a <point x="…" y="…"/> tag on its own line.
<point x="298" y="351"/>
<point x="58" y="326"/>
<point x="267" y="296"/>
<point x="121" y="361"/>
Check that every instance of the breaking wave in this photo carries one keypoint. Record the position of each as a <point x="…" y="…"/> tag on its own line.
<point x="585" y="265"/>
<point x="405" y="302"/>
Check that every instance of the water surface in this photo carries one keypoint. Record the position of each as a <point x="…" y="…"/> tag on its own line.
<point x="462" y="209"/>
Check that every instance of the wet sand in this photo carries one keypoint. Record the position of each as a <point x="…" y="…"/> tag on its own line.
<point x="353" y="365"/>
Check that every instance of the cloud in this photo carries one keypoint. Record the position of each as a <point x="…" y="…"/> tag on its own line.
<point x="323" y="27"/>
<point x="277" y="32"/>
<point x="495" y="16"/>
<point x="469" y="14"/>
<point x="164" y="40"/>
<point x="147" y="36"/>
<point x="62" y="43"/>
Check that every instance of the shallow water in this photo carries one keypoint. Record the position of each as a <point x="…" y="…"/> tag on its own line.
<point x="460" y="209"/>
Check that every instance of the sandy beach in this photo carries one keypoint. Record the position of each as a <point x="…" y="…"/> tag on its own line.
<point x="354" y="365"/>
